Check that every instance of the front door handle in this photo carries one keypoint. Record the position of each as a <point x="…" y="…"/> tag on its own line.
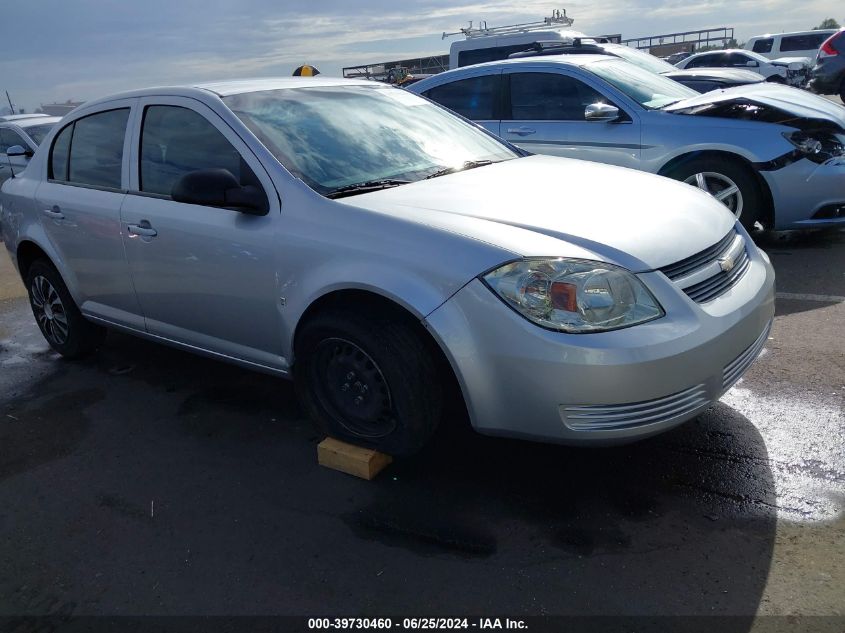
<point x="54" y="212"/>
<point x="521" y="131"/>
<point x="143" y="229"/>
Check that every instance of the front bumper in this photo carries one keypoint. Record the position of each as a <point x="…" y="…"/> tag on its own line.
<point x="524" y="381"/>
<point x="807" y="195"/>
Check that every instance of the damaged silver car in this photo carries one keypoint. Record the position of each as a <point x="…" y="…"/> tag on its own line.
<point x="772" y="154"/>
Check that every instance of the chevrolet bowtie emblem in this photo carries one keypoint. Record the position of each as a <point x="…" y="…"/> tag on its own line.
<point x="727" y="263"/>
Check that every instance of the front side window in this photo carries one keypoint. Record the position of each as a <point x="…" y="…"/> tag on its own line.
<point x="474" y="98"/>
<point x="705" y="61"/>
<point x="9" y="138"/>
<point x="763" y="46"/>
<point x="89" y="151"/>
<point x="549" y="97"/>
<point x="176" y="141"/>
<point x="336" y="137"/>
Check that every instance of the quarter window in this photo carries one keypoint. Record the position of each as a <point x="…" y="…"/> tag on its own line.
<point x="176" y="141"/>
<point x="549" y="97"/>
<point x="89" y="151"/>
<point x="473" y="98"/>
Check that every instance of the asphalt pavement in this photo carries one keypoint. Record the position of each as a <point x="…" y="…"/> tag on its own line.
<point x="145" y="480"/>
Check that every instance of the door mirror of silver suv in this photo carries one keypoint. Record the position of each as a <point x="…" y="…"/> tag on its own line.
<point x="601" y="112"/>
<point x="219" y="188"/>
<point x="18" y="150"/>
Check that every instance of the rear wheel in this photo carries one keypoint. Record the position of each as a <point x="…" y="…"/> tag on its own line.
<point x="58" y="318"/>
<point x="368" y="380"/>
<point x="730" y="182"/>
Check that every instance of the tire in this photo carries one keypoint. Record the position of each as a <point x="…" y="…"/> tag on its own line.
<point x="56" y="314"/>
<point x="720" y="176"/>
<point x="842" y="90"/>
<point x="369" y="380"/>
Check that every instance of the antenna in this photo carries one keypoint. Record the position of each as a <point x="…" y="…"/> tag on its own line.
<point x="558" y="18"/>
<point x="10" y="102"/>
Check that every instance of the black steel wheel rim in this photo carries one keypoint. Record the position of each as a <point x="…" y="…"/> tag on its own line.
<point x="352" y="389"/>
<point x="49" y="311"/>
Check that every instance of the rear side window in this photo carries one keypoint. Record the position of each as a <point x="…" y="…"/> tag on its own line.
<point x="549" y="97"/>
<point x="807" y="42"/>
<point x="474" y="98"/>
<point x="764" y="45"/>
<point x="90" y="150"/>
<point x="176" y="141"/>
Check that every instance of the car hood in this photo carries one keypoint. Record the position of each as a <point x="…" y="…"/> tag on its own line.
<point x="779" y="104"/>
<point x="550" y="206"/>
<point x="723" y="74"/>
<point x="791" y="62"/>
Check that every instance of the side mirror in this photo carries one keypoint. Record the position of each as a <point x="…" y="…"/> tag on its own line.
<point x="219" y="188"/>
<point x="751" y="64"/>
<point x="601" y="112"/>
<point x="19" y="150"/>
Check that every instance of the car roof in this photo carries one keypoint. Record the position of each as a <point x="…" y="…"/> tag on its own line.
<point x="233" y="87"/>
<point x="34" y="121"/>
<point x="20" y="117"/>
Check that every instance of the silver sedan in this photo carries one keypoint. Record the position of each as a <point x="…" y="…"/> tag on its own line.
<point x="385" y="254"/>
<point x="772" y="154"/>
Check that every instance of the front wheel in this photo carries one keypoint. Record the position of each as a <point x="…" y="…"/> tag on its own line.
<point x="731" y="183"/>
<point x="368" y="380"/>
<point x="58" y="318"/>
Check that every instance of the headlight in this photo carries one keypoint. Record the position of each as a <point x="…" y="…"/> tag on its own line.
<point x="818" y="146"/>
<point x="574" y="295"/>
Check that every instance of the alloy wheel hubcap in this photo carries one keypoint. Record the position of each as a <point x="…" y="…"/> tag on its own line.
<point x="353" y="389"/>
<point x="720" y="187"/>
<point x="49" y="311"/>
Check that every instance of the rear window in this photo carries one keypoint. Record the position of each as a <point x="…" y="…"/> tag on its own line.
<point x="89" y="151"/>
<point x="763" y="46"/>
<point x="807" y="42"/>
<point x="491" y="54"/>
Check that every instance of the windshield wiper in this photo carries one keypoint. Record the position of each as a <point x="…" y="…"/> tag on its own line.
<point x="469" y="164"/>
<point x="364" y="187"/>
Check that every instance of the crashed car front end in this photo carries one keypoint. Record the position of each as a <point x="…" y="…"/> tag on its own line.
<point x="796" y="70"/>
<point x="804" y="168"/>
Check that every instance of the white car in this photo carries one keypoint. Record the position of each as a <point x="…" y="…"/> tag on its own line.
<point x="26" y="131"/>
<point x="786" y="70"/>
<point x="796" y="44"/>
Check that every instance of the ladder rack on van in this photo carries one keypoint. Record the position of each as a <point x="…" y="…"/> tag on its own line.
<point x="558" y="18"/>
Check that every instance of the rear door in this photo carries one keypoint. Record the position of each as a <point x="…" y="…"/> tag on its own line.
<point x="205" y="276"/>
<point x="79" y="207"/>
<point x="545" y="114"/>
<point x="476" y="97"/>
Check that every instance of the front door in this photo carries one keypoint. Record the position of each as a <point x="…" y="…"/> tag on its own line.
<point x="546" y="115"/>
<point x="205" y="276"/>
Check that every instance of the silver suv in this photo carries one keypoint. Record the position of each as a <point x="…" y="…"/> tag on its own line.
<point x="383" y="252"/>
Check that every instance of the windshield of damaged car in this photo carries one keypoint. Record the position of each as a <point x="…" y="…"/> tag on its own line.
<point x="335" y="137"/>
<point x="38" y="132"/>
<point x="646" y="88"/>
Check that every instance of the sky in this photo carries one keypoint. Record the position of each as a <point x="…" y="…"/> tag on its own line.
<point x="55" y="50"/>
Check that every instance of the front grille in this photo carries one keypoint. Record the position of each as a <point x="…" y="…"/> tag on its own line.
<point x="734" y="370"/>
<point x="699" y="260"/>
<point x="626" y="416"/>
<point x="688" y="272"/>
<point x="719" y="283"/>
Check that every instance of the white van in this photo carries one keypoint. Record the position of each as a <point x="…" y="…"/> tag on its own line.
<point x="797" y="44"/>
<point x="495" y="47"/>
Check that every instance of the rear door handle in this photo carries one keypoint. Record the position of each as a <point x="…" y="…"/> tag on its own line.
<point x="54" y="212"/>
<point x="521" y="131"/>
<point x="143" y="229"/>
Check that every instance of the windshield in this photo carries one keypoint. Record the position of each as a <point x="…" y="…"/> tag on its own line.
<point x="335" y="137"/>
<point x="649" y="90"/>
<point x="38" y="132"/>
<point x="639" y="58"/>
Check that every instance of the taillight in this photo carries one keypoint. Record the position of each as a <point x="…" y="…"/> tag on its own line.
<point x="827" y="49"/>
